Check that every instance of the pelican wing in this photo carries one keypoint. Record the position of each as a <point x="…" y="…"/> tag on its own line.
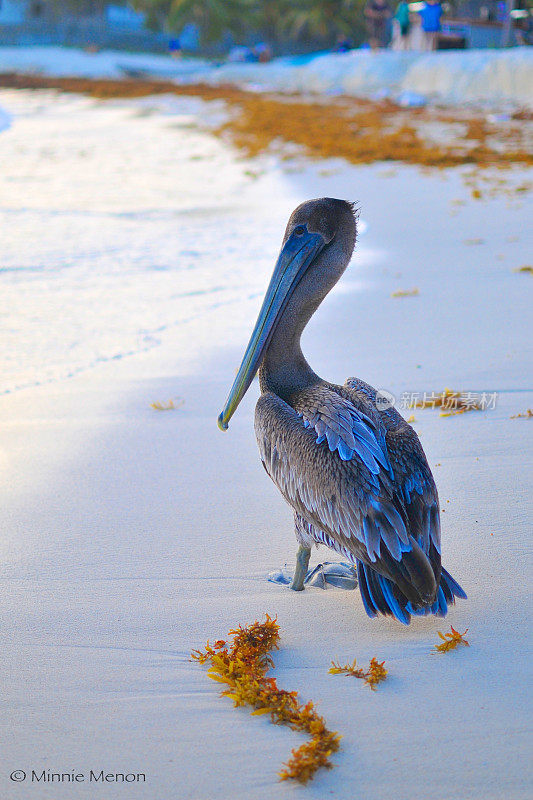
<point x="413" y="482"/>
<point x="345" y="428"/>
<point x="351" y="500"/>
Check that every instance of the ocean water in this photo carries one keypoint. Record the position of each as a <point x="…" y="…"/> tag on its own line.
<point x="123" y="224"/>
<point x="119" y="222"/>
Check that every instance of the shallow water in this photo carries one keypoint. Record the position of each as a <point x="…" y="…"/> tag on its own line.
<point x="123" y="223"/>
<point x="120" y="221"/>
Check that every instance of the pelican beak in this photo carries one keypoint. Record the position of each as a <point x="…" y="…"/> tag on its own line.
<point x="300" y="249"/>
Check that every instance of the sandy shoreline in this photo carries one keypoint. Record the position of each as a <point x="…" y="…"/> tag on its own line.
<point x="358" y="130"/>
<point x="131" y="536"/>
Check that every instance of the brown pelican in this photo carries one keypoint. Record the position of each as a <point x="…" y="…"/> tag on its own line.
<point x="355" y="475"/>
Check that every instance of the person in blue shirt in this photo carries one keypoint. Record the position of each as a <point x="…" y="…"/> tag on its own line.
<point x="174" y="47"/>
<point x="431" y="14"/>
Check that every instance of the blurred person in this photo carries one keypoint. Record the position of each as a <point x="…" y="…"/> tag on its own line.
<point x="240" y="54"/>
<point x="523" y="30"/>
<point x="263" y="52"/>
<point x="377" y="13"/>
<point x="342" y="44"/>
<point x="430" y="15"/>
<point x="401" y="25"/>
<point x="174" y="47"/>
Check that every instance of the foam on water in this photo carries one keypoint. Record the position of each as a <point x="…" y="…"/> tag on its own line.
<point x="475" y="76"/>
<point x="123" y="225"/>
<point x="488" y="76"/>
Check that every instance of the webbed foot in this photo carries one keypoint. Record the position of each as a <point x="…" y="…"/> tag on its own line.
<point x="340" y="574"/>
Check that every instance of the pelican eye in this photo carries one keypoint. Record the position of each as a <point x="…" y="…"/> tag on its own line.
<point x="299" y="230"/>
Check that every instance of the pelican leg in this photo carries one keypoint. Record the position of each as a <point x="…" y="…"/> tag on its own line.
<point x="340" y="574"/>
<point x="302" y="563"/>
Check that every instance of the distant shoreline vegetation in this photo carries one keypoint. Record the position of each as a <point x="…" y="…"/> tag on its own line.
<point x="283" y="23"/>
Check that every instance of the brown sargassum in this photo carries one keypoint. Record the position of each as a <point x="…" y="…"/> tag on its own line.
<point x="357" y="130"/>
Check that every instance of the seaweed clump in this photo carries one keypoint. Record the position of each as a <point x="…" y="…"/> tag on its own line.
<point x="242" y="664"/>
<point x="376" y="672"/>
<point x="170" y="406"/>
<point x="361" y="131"/>
<point x="453" y="402"/>
<point x="451" y="640"/>
<point x="527" y="415"/>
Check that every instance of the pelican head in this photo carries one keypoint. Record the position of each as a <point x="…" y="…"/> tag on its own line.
<point x="316" y="249"/>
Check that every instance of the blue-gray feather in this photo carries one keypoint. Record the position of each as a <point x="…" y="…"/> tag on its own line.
<point x="358" y="477"/>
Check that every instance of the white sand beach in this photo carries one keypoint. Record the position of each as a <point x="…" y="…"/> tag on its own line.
<point x="136" y="248"/>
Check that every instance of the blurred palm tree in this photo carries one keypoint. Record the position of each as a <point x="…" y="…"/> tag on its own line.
<point x="213" y="17"/>
<point x="272" y="17"/>
<point x="323" y="19"/>
<point x="318" y="21"/>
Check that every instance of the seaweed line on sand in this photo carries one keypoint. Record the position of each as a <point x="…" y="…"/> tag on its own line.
<point x="242" y="664"/>
<point x="359" y="130"/>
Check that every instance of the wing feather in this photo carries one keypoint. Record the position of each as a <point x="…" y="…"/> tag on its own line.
<point x="352" y="501"/>
<point x="415" y="487"/>
<point x="356" y="474"/>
